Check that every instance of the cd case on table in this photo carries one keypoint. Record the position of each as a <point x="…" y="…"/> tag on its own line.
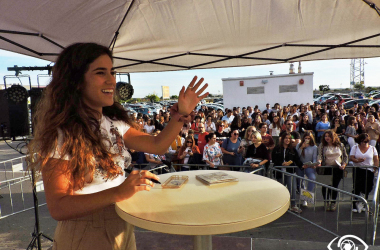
<point x="175" y="181"/>
<point x="216" y="177"/>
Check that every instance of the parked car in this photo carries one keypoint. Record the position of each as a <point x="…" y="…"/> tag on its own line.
<point x="356" y="94"/>
<point x="374" y="102"/>
<point x="145" y="111"/>
<point x="375" y="96"/>
<point x="350" y="104"/>
<point x="338" y="99"/>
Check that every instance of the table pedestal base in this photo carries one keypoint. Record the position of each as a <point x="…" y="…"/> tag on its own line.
<point x="203" y="242"/>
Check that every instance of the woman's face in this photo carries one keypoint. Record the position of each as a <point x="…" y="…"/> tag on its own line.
<point x="371" y="119"/>
<point x="275" y="119"/>
<point x="337" y="122"/>
<point x="287" y="140"/>
<point x="99" y="84"/>
<point x="305" y="118"/>
<point x="258" y="118"/>
<point x="235" y="134"/>
<point x="254" y="139"/>
<point x="328" y="138"/>
<point x="209" y="119"/>
<point x="212" y="140"/>
<point x="324" y="118"/>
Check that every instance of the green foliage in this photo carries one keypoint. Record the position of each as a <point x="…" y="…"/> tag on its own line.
<point x="174" y="97"/>
<point x="324" y="88"/>
<point x="369" y="89"/>
<point x="153" y="97"/>
<point x="359" y="86"/>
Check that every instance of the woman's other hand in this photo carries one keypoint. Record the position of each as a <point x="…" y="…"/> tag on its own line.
<point x="190" y="97"/>
<point x="135" y="182"/>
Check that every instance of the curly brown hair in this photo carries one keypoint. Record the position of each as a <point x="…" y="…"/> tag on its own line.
<point x="333" y="135"/>
<point x="62" y="108"/>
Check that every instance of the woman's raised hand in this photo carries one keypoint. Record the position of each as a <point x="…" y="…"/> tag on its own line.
<point x="189" y="97"/>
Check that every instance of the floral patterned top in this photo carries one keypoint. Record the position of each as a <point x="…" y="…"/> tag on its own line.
<point x="210" y="152"/>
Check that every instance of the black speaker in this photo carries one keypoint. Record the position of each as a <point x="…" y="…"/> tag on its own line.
<point x="35" y="96"/>
<point x="15" y="121"/>
<point x="5" y="127"/>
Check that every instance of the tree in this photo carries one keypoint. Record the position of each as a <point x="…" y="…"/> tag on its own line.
<point x="153" y="97"/>
<point x="359" y="86"/>
<point x="369" y="89"/>
<point x="324" y="88"/>
<point x="174" y="97"/>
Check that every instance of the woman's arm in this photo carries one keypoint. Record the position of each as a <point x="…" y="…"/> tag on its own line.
<point x="159" y="144"/>
<point x="64" y="205"/>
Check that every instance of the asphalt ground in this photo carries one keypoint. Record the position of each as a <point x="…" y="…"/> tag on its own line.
<point x="287" y="232"/>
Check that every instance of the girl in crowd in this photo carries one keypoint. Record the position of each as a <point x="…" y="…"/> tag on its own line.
<point x="231" y="150"/>
<point x="246" y="141"/>
<point x="373" y="130"/>
<point x="331" y="152"/>
<point x="360" y="127"/>
<point x="275" y="129"/>
<point x="237" y="125"/>
<point x="257" y="121"/>
<point x="194" y="127"/>
<point x="149" y="127"/>
<point x="363" y="154"/>
<point x="188" y="149"/>
<point x="307" y="151"/>
<point x="285" y="155"/>
<point x="322" y="126"/>
<point x="210" y="125"/>
<point x="220" y="130"/>
<point x="351" y="131"/>
<point x="337" y="126"/>
<point x="212" y="153"/>
<point x="304" y="124"/>
<point x="258" y="151"/>
<point x="80" y="145"/>
<point x="220" y="114"/>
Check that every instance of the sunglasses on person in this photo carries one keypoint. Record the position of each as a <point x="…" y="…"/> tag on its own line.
<point x="200" y="127"/>
<point x="235" y="133"/>
<point x="291" y="124"/>
<point x="189" y="142"/>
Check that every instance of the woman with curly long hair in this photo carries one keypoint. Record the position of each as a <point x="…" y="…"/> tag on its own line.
<point x="80" y="146"/>
<point x="331" y="152"/>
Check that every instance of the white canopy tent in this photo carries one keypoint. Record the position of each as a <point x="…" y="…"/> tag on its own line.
<point x="164" y="35"/>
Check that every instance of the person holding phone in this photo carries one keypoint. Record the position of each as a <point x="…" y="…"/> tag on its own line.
<point x="373" y="130"/>
<point x="187" y="150"/>
<point x="257" y="151"/>
<point x="308" y="152"/>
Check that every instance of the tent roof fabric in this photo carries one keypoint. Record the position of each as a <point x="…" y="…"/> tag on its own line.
<point x="164" y="35"/>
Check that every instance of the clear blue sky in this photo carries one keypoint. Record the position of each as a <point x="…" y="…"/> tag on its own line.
<point x="335" y="73"/>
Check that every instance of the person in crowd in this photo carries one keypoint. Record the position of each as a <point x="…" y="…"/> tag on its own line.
<point x="245" y="124"/>
<point x="258" y="151"/>
<point x="210" y="125"/>
<point x="81" y="136"/>
<point x="295" y="120"/>
<point x="237" y="125"/>
<point x="246" y="141"/>
<point x="187" y="150"/>
<point x="360" y="124"/>
<point x="194" y="127"/>
<point x="363" y="155"/>
<point x="156" y="120"/>
<point x="268" y="109"/>
<point x="331" y="152"/>
<point x="373" y="130"/>
<point x="351" y="113"/>
<point x="257" y="121"/>
<point x="351" y="131"/>
<point x="265" y="118"/>
<point x="284" y="128"/>
<point x="220" y="115"/>
<point x="275" y="129"/>
<point x="296" y="137"/>
<point x="231" y="151"/>
<point x="201" y="114"/>
<point x="149" y="126"/>
<point x="220" y="133"/>
<point x="363" y="118"/>
<point x="228" y="117"/>
<point x="308" y="152"/>
<point x="202" y="137"/>
<point x="267" y="139"/>
<point x="185" y="129"/>
<point x="172" y="154"/>
<point x="337" y="126"/>
<point x="322" y="126"/>
<point x="212" y="153"/>
<point x="304" y="125"/>
<point x="284" y="154"/>
<point x="161" y="124"/>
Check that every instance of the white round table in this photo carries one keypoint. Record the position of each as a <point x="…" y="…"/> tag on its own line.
<point x="201" y="210"/>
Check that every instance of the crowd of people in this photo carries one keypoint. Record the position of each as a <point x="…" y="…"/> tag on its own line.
<point x="304" y="136"/>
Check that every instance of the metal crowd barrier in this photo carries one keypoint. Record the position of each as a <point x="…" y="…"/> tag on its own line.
<point x="340" y="200"/>
<point x="10" y="168"/>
